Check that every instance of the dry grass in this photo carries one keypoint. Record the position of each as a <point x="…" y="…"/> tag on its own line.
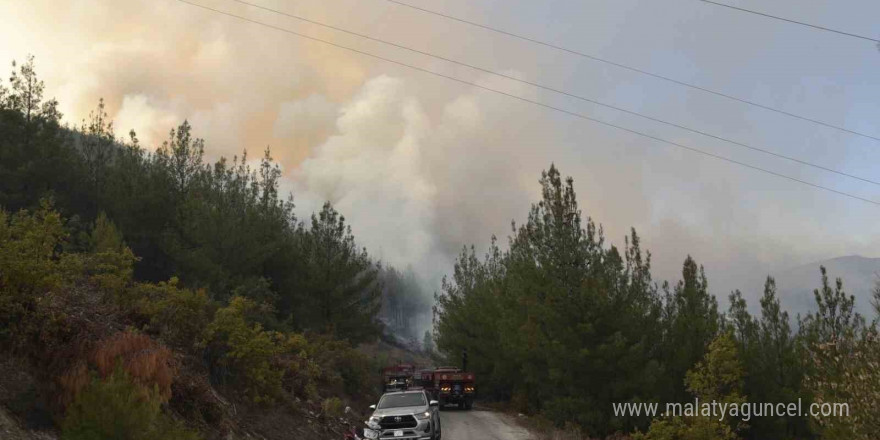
<point x="146" y="362"/>
<point x="72" y="382"/>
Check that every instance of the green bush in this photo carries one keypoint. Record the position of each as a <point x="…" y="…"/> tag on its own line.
<point x="109" y="264"/>
<point x="717" y="377"/>
<point x="115" y="408"/>
<point x="568" y="409"/>
<point x="30" y="261"/>
<point x="33" y="273"/>
<point x="244" y="353"/>
<point x="180" y="316"/>
<point x="343" y="369"/>
<point x="301" y="372"/>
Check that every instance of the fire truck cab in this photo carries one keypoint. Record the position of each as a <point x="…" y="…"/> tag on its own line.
<point x="449" y="385"/>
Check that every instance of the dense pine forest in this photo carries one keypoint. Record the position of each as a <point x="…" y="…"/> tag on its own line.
<point x="128" y="272"/>
<point x="563" y="324"/>
<point x="137" y="282"/>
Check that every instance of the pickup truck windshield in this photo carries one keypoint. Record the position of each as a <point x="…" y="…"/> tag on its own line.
<point x="401" y="400"/>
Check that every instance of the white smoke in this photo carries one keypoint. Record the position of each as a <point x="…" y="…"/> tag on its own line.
<point x="421" y="166"/>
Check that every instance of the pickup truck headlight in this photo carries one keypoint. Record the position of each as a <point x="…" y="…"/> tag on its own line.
<point x="423" y="416"/>
<point x="375" y="420"/>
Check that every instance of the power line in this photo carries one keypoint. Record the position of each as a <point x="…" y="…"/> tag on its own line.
<point x="749" y="11"/>
<point x="538" y="103"/>
<point x="559" y="91"/>
<point x="634" y="69"/>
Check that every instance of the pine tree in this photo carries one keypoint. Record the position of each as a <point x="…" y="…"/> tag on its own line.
<point x="693" y="322"/>
<point x="560" y="323"/>
<point x="842" y="358"/>
<point x="717" y="377"/>
<point x="36" y="158"/>
<point x="98" y="146"/>
<point x="774" y="369"/>
<point x="836" y="320"/>
<point x="339" y="281"/>
<point x="182" y="156"/>
<point x="25" y="95"/>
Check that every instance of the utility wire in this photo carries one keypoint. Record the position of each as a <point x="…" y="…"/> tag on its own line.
<point x="538" y="103"/>
<point x="559" y="91"/>
<point x="634" y="69"/>
<point x="749" y="11"/>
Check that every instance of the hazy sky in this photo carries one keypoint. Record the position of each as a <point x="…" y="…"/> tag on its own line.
<point x="421" y="165"/>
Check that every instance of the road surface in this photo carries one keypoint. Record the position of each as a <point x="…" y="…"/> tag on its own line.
<point x="478" y="424"/>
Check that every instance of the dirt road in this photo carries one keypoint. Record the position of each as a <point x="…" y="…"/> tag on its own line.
<point x="480" y="425"/>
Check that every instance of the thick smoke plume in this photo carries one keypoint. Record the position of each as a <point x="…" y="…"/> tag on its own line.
<point x="421" y="166"/>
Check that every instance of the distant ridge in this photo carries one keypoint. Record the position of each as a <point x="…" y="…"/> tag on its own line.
<point x="795" y="286"/>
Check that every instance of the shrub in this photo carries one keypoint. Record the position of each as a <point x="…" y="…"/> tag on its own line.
<point x="565" y="409"/>
<point x="858" y="386"/>
<point x="717" y="377"/>
<point x="244" y="353"/>
<point x="30" y="267"/>
<point x="694" y="428"/>
<point x="29" y="244"/>
<point x="332" y="407"/>
<point x="110" y="263"/>
<point x="342" y="368"/>
<point x="46" y="291"/>
<point x="301" y="372"/>
<point x="180" y="316"/>
<point x="520" y="402"/>
<point x="144" y="361"/>
<point x="117" y="408"/>
<point x="37" y="284"/>
<point x="72" y="382"/>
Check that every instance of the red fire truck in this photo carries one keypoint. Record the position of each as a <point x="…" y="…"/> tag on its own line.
<point x="398" y="377"/>
<point x="449" y="385"/>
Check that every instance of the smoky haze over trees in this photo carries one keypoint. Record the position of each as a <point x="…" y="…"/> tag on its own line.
<point x="735" y="223"/>
<point x="405" y="306"/>
<point x="118" y="265"/>
<point x="221" y="226"/>
<point x="168" y="266"/>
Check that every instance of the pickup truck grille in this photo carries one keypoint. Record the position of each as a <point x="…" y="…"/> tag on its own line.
<point x="398" y="422"/>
